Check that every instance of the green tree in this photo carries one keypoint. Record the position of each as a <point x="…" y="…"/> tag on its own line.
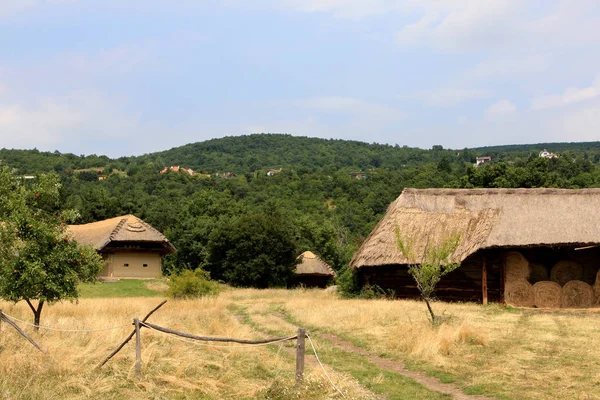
<point x="38" y="260"/>
<point x="253" y="250"/>
<point x="434" y="264"/>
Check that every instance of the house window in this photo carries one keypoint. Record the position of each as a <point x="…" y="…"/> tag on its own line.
<point x="145" y="265"/>
<point x="126" y="265"/>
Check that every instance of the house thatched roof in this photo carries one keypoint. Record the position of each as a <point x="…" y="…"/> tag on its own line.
<point x="126" y="228"/>
<point x="311" y="264"/>
<point x="485" y="218"/>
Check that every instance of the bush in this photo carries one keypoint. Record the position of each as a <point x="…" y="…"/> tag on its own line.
<point x="349" y="287"/>
<point x="191" y="284"/>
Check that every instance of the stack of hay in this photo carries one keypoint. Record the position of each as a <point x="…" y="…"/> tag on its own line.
<point x="563" y="289"/>
<point x="517" y="289"/>
<point x="575" y="293"/>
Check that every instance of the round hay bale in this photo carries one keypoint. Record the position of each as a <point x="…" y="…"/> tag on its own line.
<point x="519" y="293"/>
<point x="517" y="266"/>
<point x="577" y="294"/>
<point x="538" y="273"/>
<point x="565" y="271"/>
<point x="547" y="294"/>
<point x="597" y="290"/>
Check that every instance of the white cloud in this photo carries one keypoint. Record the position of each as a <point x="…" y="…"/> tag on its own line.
<point x="446" y="96"/>
<point x="353" y="106"/>
<point x="576" y="125"/>
<point x="570" y="96"/>
<point x="501" y="109"/>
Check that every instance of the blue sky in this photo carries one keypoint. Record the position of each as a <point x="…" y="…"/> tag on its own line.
<point x="125" y="78"/>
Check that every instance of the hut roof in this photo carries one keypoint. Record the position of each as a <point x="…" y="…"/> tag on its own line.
<point x="485" y="218"/>
<point x="311" y="264"/>
<point x="126" y="228"/>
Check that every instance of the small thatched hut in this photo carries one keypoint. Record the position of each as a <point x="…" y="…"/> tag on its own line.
<point x="311" y="271"/>
<point x="544" y="227"/>
<point x="131" y="247"/>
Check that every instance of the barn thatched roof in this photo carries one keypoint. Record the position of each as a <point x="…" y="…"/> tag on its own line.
<point x="126" y="228"/>
<point x="311" y="264"/>
<point x="485" y="218"/>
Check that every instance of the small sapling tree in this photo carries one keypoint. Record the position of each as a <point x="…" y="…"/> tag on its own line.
<point x="39" y="263"/>
<point x="434" y="264"/>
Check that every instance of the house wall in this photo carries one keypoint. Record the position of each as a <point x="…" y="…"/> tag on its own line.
<point x="462" y="284"/>
<point x="132" y="264"/>
<point x="465" y="283"/>
<point x="312" y="281"/>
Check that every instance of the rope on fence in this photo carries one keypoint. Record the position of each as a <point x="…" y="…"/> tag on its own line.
<point x="66" y="330"/>
<point x="323" y="367"/>
<point x="200" y="338"/>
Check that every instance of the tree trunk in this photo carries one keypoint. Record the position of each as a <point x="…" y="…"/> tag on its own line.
<point x="37" y="312"/>
<point x="430" y="309"/>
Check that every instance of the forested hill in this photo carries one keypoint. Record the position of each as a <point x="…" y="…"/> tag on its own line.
<point x="239" y="226"/>
<point x="253" y="152"/>
<point x="245" y="154"/>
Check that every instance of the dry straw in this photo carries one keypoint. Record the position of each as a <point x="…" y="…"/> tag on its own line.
<point x="547" y="294"/>
<point x="597" y="289"/>
<point x="517" y="267"/>
<point x="538" y="273"/>
<point x="577" y="294"/>
<point x="519" y="293"/>
<point x="565" y="271"/>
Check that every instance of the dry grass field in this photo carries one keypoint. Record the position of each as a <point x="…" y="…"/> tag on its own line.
<point x="499" y="352"/>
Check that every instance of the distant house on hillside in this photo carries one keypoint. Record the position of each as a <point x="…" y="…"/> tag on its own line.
<point x="177" y="168"/>
<point x="482" y="160"/>
<point x="546" y="154"/>
<point x="130" y="247"/>
<point x="228" y="175"/>
<point x="272" y="172"/>
<point x="358" y="175"/>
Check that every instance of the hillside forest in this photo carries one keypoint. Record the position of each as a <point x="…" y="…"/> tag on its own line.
<point x="246" y="227"/>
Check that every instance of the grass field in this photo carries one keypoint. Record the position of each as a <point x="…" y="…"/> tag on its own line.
<point x="123" y="288"/>
<point x="496" y="351"/>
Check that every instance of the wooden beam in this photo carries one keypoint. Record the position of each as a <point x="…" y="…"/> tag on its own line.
<point x="216" y="339"/>
<point x="130" y="336"/>
<point x="300" y="348"/>
<point x="138" y="348"/>
<point x="484" y="285"/>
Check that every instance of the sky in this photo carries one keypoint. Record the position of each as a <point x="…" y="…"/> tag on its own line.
<point x="130" y="77"/>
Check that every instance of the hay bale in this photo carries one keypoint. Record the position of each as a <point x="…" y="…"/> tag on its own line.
<point x="565" y="271"/>
<point x="519" y="293"/>
<point x="547" y="294"/>
<point x="538" y="273"/>
<point x="517" y="266"/>
<point x="597" y="289"/>
<point x="577" y="294"/>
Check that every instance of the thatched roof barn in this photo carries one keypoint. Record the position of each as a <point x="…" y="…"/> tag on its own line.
<point x="131" y="247"/>
<point x="545" y="225"/>
<point x="311" y="271"/>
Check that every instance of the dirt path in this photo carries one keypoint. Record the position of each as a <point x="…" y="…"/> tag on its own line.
<point x="398" y="367"/>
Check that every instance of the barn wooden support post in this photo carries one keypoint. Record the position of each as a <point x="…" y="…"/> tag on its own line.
<point x="138" y="348"/>
<point x="484" y="285"/>
<point x="300" y="349"/>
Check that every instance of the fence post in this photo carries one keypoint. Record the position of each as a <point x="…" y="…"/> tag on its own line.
<point x="300" y="347"/>
<point x="1" y="320"/>
<point x="138" y="348"/>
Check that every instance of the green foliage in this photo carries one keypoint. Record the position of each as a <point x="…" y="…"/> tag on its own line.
<point x="38" y="260"/>
<point x="192" y="284"/>
<point x="433" y="265"/>
<point x="347" y="281"/>
<point x="324" y="207"/>
<point x="253" y="250"/>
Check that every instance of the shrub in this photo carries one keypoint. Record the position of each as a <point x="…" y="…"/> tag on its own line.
<point x="191" y="284"/>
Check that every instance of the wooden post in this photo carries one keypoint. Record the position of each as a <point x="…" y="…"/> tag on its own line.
<point x="0" y="320"/>
<point x="484" y="286"/>
<point x="300" y="347"/>
<point x="138" y="348"/>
